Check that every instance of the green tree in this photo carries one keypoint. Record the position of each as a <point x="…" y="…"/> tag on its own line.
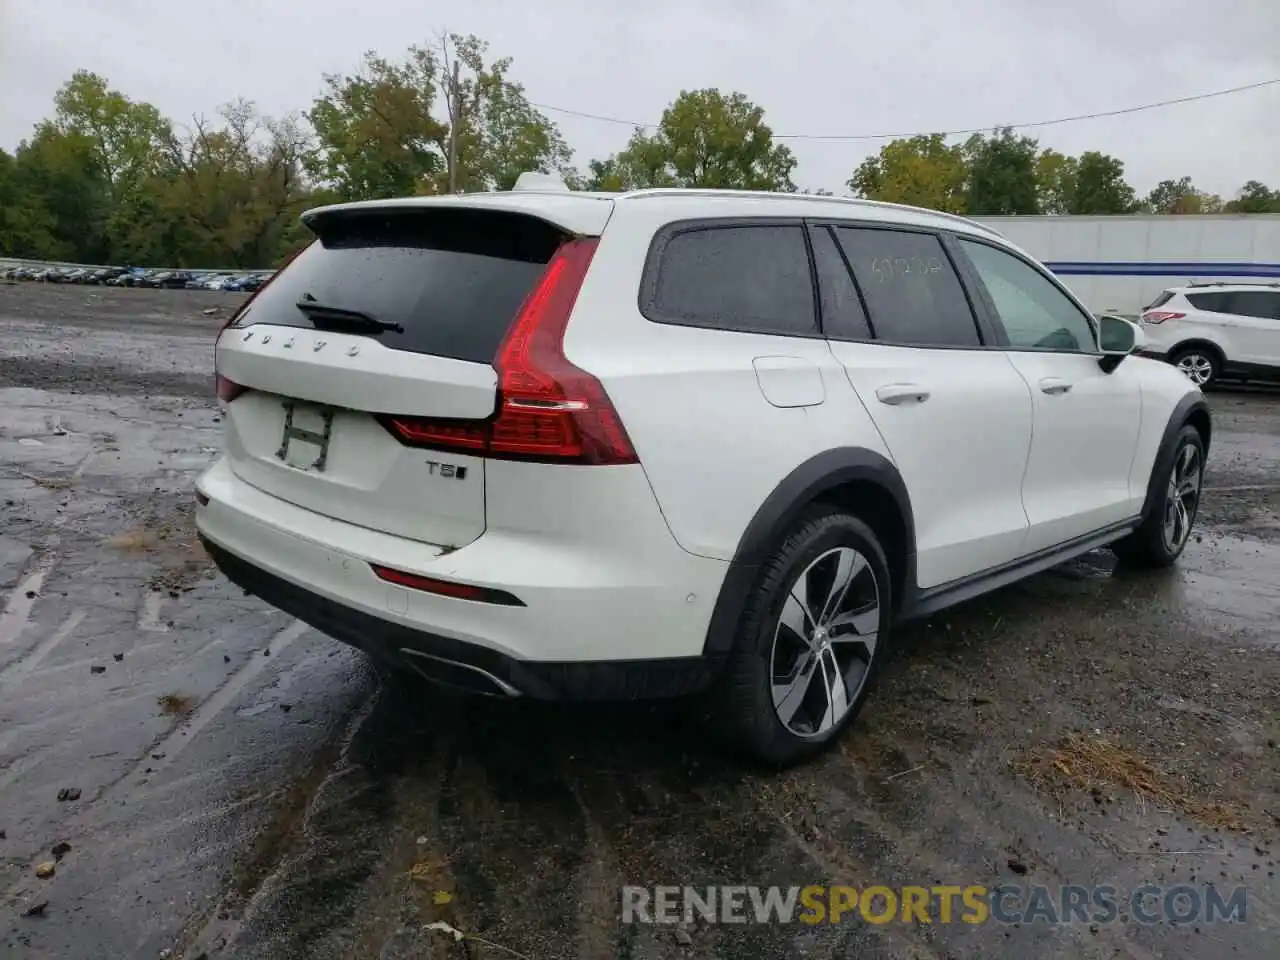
<point x="921" y="171"/>
<point x="706" y="139"/>
<point x="376" y="133"/>
<point x="644" y="163"/>
<point x="233" y="191"/>
<point x="441" y="120"/>
<point x="1255" y="197"/>
<point x="1002" y="175"/>
<point x="26" y="224"/>
<point x="1179" y="196"/>
<point x="1100" y="186"/>
<point x="1055" y="181"/>
<point x="494" y="134"/>
<point x="128" y="137"/>
<point x="67" y="195"/>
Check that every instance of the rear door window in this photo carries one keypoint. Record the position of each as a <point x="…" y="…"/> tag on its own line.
<point x="1212" y="302"/>
<point x="747" y="277"/>
<point x="912" y="292"/>
<point x="442" y="282"/>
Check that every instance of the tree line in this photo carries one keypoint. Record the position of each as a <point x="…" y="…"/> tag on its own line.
<point x="109" y="179"/>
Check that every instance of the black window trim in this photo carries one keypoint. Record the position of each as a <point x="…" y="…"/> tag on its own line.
<point x="989" y="305"/>
<point x="812" y="227"/>
<point x="666" y="233"/>
<point x="989" y="337"/>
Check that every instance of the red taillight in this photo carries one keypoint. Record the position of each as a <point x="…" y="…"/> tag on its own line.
<point x="1160" y="316"/>
<point x="446" y="588"/>
<point x="548" y="410"/>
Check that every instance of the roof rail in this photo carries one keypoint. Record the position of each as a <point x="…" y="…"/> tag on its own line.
<point x="813" y="197"/>
<point x="1232" y="283"/>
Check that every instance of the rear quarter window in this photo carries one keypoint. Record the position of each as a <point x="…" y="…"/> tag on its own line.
<point x="1255" y="303"/>
<point x="452" y="280"/>
<point x="747" y="277"/>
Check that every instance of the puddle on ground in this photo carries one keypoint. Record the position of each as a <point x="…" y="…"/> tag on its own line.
<point x="1232" y="585"/>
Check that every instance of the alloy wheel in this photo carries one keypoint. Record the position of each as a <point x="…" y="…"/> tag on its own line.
<point x="1183" y="497"/>
<point x="824" y="642"/>
<point x="1197" y="367"/>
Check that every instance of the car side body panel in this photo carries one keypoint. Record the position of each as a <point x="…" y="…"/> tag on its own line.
<point x="697" y="402"/>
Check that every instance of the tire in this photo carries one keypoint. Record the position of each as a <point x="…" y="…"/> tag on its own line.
<point x="1201" y="365"/>
<point x="1164" y="532"/>
<point x="775" y="639"/>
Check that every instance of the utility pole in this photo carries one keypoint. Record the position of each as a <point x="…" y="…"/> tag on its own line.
<point x="455" y="114"/>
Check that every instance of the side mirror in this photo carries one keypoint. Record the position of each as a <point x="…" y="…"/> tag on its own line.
<point x="1117" y="338"/>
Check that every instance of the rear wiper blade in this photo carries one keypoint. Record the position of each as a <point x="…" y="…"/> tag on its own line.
<point x="324" y="316"/>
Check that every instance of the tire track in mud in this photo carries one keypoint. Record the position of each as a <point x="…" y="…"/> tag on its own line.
<point x="60" y="376"/>
<point x="171" y="745"/>
<point x="298" y="888"/>
<point x="22" y="598"/>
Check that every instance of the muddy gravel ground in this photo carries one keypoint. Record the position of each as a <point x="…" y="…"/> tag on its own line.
<point x="237" y="785"/>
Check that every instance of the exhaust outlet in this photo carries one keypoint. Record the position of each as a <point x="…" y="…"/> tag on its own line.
<point x="460" y="676"/>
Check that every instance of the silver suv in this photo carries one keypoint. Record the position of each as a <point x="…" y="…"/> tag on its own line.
<point x="1215" y="330"/>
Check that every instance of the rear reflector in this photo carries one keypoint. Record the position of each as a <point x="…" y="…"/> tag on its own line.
<point x="464" y="436"/>
<point x="1160" y="316"/>
<point x="549" y="410"/>
<point x="446" y="588"/>
<point x="227" y="390"/>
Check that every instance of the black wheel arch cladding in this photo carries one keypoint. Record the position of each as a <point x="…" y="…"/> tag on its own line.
<point x="1191" y="411"/>
<point x="805" y="485"/>
<point x="1206" y="347"/>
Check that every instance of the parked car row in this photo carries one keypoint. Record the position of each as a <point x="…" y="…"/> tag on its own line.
<point x="137" y="277"/>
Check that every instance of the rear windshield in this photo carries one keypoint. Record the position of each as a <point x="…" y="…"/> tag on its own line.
<point x="1160" y="301"/>
<point x="452" y="280"/>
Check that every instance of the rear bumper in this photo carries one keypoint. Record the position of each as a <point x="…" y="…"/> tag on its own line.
<point x="468" y="666"/>
<point x="598" y="622"/>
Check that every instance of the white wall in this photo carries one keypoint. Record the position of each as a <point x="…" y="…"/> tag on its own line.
<point x="1119" y="264"/>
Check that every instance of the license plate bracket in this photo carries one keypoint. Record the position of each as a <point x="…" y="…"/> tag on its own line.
<point x="319" y="438"/>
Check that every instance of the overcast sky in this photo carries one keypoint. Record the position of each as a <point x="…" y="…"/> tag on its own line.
<point x="816" y="66"/>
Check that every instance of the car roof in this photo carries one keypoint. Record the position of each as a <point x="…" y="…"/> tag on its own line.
<point x="587" y="212"/>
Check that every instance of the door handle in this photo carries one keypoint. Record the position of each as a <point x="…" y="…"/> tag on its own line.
<point x="897" y="393"/>
<point x="1054" y="385"/>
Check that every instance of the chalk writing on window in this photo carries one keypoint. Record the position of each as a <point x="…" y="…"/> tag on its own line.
<point x="888" y="269"/>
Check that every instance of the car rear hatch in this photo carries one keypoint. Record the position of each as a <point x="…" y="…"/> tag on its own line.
<point x="391" y="318"/>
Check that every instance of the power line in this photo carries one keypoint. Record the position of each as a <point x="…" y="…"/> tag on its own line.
<point x="946" y="133"/>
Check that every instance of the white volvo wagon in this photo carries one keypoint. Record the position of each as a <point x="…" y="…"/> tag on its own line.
<point x="565" y="445"/>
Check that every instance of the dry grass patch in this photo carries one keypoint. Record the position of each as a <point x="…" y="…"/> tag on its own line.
<point x="176" y="704"/>
<point x="1095" y="764"/>
<point x="133" y="541"/>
